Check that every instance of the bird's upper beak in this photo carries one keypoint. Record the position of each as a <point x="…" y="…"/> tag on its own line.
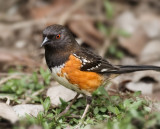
<point x="44" y="41"/>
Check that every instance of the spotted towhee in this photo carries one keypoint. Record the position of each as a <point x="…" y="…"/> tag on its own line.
<point x="77" y="68"/>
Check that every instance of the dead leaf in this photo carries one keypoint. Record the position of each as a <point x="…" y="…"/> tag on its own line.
<point x="56" y="92"/>
<point x="150" y="23"/>
<point x="87" y="32"/>
<point x="35" y="127"/>
<point x="8" y="113"/>
<point x="128" y="60"/>
<point x="56" y="8"/>
<point x="150" y="52"/>
<point x="128" y="22"/>
<point x="145" y="88"/>
<point x="135" y="43"/>
<point x="10" y="58"/>
<point x="148" y="82"/>
<point x="30" y="109"/>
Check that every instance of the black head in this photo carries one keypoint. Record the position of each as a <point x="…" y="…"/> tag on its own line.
<point x="59" y="43"/>
<point x="57" y="36"/>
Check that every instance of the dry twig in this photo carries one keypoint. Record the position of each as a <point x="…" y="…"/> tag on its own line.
<point x="14" y="76"/>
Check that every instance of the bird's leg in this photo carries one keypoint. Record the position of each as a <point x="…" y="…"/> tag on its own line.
<point x="89" y="100"/>
<point x="68" y="107"/>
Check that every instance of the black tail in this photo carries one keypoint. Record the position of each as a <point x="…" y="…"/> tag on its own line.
<point x="132" y="68"/>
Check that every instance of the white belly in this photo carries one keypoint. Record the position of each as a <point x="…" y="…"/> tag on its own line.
<point x="63" y="80"/>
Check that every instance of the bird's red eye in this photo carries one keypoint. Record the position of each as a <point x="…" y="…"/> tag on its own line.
<point x="58" y="36"/>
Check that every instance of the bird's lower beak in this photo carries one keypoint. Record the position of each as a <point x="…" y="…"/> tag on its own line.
<point x="44" y="41"/>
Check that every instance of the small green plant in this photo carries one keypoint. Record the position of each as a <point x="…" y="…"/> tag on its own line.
<point x="108" y="9"/>
<point x="122" y="111"/>
<point x="26" y="85"/>
<point x="46" y="75"/>
<point x="46" y="105"/>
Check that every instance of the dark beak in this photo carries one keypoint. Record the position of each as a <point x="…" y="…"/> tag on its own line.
<point x="44" y="41"/>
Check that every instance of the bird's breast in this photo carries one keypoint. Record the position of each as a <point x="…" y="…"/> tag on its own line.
<point x="70" y="76"/>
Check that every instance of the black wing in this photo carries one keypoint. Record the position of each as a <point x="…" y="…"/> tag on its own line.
<point x="94" y="63"/>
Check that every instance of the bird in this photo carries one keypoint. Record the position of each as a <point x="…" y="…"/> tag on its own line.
<point x="79" y="68"/>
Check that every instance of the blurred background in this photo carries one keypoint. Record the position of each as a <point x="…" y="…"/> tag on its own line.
<point x="122" y="31"/>
<point x="116" y="29"/>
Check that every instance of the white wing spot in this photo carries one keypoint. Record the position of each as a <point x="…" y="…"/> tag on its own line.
<point x="83" y="60"/>
<point x="76" y="55"/>
<point x="95" y="67"/>
<point x="103" y="70"/>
